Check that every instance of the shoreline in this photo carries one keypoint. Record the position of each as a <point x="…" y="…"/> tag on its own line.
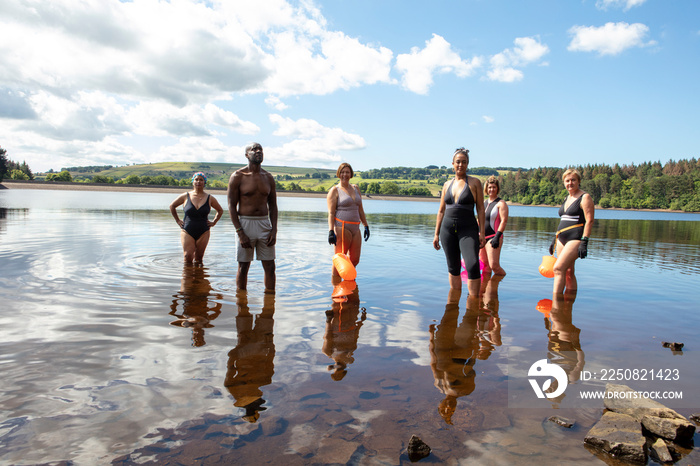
<point x="139" y="188"/>
<point x="136" y="188"/>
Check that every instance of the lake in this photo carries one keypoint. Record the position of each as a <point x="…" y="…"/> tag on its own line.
<point x="114" y="352"/>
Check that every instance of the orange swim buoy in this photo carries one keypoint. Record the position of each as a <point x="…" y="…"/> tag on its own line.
<point x="344" y="288"/>
<point x="544" y="306"/>
<point x="345" y="269"/>
<point x="547" y="266"/>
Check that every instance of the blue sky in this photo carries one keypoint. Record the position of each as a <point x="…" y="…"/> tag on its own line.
<point x="376" y="83"/>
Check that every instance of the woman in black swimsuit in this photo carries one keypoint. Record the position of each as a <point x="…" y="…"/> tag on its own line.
<point x="577" y="214"/>
<point x="195" y="226"/>
<point x="457" y="228"/>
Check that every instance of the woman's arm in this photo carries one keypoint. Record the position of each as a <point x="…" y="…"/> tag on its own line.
<point x="478" y="191"/>
<point x="440" y="216"/>
<point x="361" y="209"/>
<point x="332" y="201"/>
<point x="588" y="213"/>
<point x="219" y="211"/>
<point x="174" y="205"/>
<point x="503" y="212"/>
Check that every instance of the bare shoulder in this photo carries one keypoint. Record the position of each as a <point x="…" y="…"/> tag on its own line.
<point x="236" y="176"/>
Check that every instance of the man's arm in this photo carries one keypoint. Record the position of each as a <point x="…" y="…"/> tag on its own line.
<point x="272" y="209"/>
<point x="233" y="195"/>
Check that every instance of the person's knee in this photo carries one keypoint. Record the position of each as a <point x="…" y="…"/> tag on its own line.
<point x="268" y="266"/>
<point x="243" y="267"/>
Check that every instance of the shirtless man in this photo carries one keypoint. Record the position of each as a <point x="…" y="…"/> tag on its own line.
<point x="252" y="204"/>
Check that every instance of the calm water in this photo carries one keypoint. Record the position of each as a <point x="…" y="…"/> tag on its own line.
<point x="113" y="352"/>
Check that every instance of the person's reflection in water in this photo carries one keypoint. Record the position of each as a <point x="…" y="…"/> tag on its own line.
<point x="488" y="322"/>
<point x="194" y="297"/>
<point x="455" y="347"/>
<point x="564" y="346"/>
<point x="343" y="322"/>
<point x="251" y="363"/>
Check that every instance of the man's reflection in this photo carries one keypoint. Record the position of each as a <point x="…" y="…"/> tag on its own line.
<point x="194" y="298"/>
<point x="564" y="346"/>
<point x="455" y="346"/>
<point x="343" y="322"/>
<point x="251" y="363"/>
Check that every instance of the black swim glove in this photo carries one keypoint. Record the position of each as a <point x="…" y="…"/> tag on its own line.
<point x="583" y="248"/>
<point x="496" y="240"/>
<point x="331" y="237"/>
<point x="366" y="232"/>
<point x="551" y="246"/>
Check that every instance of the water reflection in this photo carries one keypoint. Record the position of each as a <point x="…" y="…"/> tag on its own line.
<point x="251" y="363"/>
<point x="456" y="346"/>
<point x="343" y="323"/>
<point x="194" y="306"/>
<point x="564" y="343"/>
<point x="669" y="244"/>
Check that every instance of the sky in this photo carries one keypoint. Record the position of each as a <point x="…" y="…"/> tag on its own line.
<point x="376" y="83"/>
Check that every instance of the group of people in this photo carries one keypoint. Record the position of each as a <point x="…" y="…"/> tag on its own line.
<point x="252" y="206"/>
<point x="465" y="238"/>
<point x="476" y="240"/>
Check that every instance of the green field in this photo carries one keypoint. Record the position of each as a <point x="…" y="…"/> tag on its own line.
<point x="288" y="178"/>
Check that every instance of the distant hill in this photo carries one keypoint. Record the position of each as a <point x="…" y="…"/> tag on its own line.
<point x="184" y="170"/>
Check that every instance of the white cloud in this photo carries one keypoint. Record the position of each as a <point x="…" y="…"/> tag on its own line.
<point x="311" y="142"/>
<point x="610" y="39"/>
<point x="488" y="119"/>
<point x="275" y="102"/>
<point x="419" y="66"/>
<point x="624" y="4"/>
<point x="88" y="70"/>
<point x="305" y="64"/>
<point x="504" y="65"/>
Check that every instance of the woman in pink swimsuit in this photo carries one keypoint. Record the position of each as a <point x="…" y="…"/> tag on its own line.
<point x="345" y="213"/>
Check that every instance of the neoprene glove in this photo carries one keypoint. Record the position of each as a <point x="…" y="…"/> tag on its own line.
<point x="366" y="232"/>
<point x="551" y="246"/>
<point x="583" y="248"/>
<point x="331" y="237"/>
<point x="496" y="240"/>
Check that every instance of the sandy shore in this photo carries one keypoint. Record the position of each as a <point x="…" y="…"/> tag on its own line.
<point x="135" y="188"/>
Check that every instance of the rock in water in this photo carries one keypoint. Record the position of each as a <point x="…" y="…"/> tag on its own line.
<point x="562" y="421"/>
<point x="417" y="449"/>
<point x="619" y="435"/>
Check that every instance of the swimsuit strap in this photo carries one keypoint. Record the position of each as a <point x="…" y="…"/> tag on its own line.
<point x="342" y="232"/>
<point x="569" y="228"/>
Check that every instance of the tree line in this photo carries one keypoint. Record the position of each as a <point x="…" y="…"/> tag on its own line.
<point x="431" y="172"/>
<point x="13" y="170"/>
<point x="649" y="185"/>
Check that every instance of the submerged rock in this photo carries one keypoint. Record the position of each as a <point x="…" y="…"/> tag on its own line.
<point x="619" y="435"/>
<point x="677" y="430"/>
<point x="562" y="421"/>
<point x="673" y="345"/>
<point x="659" y="451"/>
<point x="417" y="449"/>
<point x="622" y="399"/>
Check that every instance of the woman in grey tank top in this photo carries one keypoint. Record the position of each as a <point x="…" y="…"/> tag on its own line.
<point x="345" y="214"/>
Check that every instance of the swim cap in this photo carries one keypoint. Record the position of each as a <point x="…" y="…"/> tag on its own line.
<point x="199" y="174"/>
